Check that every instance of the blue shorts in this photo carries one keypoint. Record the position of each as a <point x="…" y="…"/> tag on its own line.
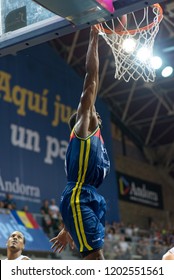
<point x="83" y="212"/>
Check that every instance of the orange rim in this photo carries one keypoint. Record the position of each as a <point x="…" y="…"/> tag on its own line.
<point x="133" y="31"/>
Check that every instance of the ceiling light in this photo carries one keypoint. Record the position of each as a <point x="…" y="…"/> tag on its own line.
<point x="156" y="62"/>
<point x="167" y="71"/>
<point x="143" y="54"/>
<point x="129" y="45"/>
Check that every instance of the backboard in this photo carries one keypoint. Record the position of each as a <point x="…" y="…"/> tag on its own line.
<point x="26" y="23"/>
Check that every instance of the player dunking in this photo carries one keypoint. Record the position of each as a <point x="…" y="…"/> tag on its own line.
<point x="87" y="163"/>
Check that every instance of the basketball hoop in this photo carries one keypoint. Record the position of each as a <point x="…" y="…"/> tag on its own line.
<point x="129" y="46"/>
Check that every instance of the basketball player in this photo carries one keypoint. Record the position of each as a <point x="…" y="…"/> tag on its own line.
<point x="87" y="164"/>
<point x="15" y="246"/>
<point x="169" y="255"/>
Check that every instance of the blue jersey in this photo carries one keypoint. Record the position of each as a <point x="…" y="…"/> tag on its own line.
<point x="82" y="207"/>
<point x="87" y="160"/>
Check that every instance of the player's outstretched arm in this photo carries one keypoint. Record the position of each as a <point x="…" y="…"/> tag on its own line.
<point x="91" y="81"/>
<point x="86" y="113"/>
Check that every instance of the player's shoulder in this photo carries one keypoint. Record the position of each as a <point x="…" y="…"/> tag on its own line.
<point x="25" y="258"/>
<point x="168" y="256"/>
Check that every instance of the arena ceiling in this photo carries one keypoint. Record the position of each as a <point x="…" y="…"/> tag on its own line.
<point x="143" y="111"/>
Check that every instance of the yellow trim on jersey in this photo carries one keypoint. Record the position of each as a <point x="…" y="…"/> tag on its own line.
<point x="75" y="199"/>
<point x="88" y="135"/>
<point x="78" y="196"/>
<point x="72" y="202"/>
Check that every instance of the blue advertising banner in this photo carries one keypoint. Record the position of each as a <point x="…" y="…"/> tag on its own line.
<point x="36" y="240"/>
<point x="38" y="93"/>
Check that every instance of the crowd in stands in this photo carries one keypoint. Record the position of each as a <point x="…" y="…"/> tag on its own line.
<point x="121" y="242"/>
<point x="50" y="217"/>
<point x="131" y="242"/>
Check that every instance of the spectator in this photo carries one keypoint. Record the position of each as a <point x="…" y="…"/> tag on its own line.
<point x="25" y="208"/>
<point x="156" y="250"/>
<point x="46" y="221"/>
<point x="124" y="248"/>
<point x="142" y="249"/>
<point x="1" y="204"/>
<point x="9" y="202"/>
<point x="54" y="213"/>
<point x="129" y="232"/>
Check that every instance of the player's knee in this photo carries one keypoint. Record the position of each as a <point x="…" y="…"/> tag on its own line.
<point x="95" y="255"/>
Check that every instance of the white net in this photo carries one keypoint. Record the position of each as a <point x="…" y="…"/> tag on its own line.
<point x="133" y="49"/>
